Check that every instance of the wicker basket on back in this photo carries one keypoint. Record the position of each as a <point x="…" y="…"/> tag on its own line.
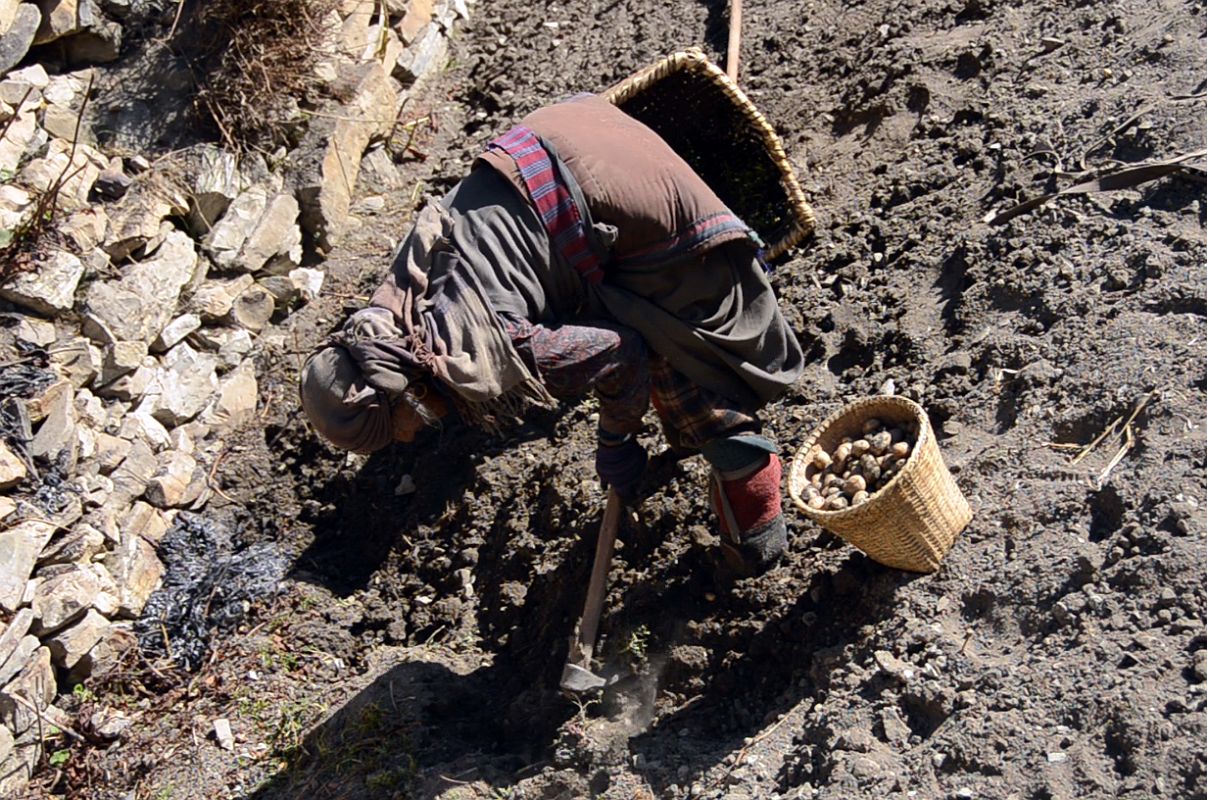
<point x="711" y="123"/>
<point x="912" y="522"/>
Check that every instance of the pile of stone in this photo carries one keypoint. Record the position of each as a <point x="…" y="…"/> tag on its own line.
<point x="140" y="324"/>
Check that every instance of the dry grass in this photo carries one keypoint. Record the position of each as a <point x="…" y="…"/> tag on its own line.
<point x="255" y="62"/>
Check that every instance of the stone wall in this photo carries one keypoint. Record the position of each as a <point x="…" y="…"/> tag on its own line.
<point x="127" y="353"/>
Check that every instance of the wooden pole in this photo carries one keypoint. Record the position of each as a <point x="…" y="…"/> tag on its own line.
<point x="735" y="39"/>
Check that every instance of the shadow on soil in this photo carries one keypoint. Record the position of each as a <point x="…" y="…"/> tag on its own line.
<point x="422" y="728"/>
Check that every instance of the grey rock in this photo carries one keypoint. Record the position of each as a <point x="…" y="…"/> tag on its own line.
<point x="216" y="185"/>
<point x="235" y="404"/>
<point x="232" y="344"/>
<point x="26" y="83"/>
<point x="327" y="163"/>
<point x="113" y="182"/>
<point x="22" y="762"/>
<point x="89" y="409"/>
<point x="176" y="332"/>
<point x="100" y="44"/>
<point x="427" y="53"/>
<point x="64" y="123"/>
<point x="36" y="331"/>
<point x="283" y="291"/>
<point x="7" y="743"/>
<point x="23" y="136"/>
<point x="18" y="654"/>
<point x="184" y="386"/>
<point x="121" y="358"/>
<point x="56" y="439"/>
<point x="61" y="600"/>
<point x="178" y="481"/>
<point x="275" y="238"/>
<point x="48" y="289"/>
<point x="16" y="41"/>
<point x="131" y="476"/>
<point x="141" y="304"/>
<point x="253" y="309"/>
<point x="10" y="641"/>
<point x="67" y="90"/>
<point x="78" y="360"/>
<point x="72" y="167"/>
<point x="140" y="425"/>
<point x="1199" y="667"/>
<point x="109" y="723"/>
<point x="146" y="521"/>
<point x="86" y="229"/>
<point x="309" y="282"/>
<point x="110" y="451"/>
<point x="94" y="490"/>
<point x="71" y="644"/>
<point x="223" y="734"/>
<point x="105" y="654"/>
<point x="214" y="299"/>
<point x="78" y="546"/>
<point x="63" y="18"/>
<point x="378" y="172"/>
<point x="133" y="386"/>
<point x="36" y="684"/>
<point x="136" y="570"/>
<point x="225" y="241"/>
<point x="12" y="469"/>
<point x="16" y="204"/>
<point x="135" y="220"/>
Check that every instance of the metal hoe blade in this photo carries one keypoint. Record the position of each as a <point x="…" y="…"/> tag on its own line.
<point x="579" y="680"/>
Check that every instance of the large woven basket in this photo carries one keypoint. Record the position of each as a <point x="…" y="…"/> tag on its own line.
<point x="711" y="123"/>
<point x="912" y="521"/>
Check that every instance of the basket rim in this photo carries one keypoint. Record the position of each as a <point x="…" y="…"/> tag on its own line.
<point x="803" y="220"/>
<point x="924" y="432"/>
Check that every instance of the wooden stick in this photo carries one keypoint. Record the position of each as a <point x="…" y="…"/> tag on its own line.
<point x="735" y="39"/>
<point x="588" y="627"/>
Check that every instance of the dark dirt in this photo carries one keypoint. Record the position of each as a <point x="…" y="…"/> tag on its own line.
<point x="416" y="647"/>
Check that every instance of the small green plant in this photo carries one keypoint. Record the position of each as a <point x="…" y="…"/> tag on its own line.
<point x="59" y="757"/>
<point x="83" y="693"/>
<point x="639" y="642"/>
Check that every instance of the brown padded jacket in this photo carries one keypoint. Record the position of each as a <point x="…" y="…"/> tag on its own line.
<point x="631" y="179"/>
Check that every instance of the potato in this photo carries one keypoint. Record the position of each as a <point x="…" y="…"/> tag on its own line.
<point x="821" y="459"/>
<point x="869" y="468"/>
<point x="859" y="497"/>
<point x="816" y="502"/>
<point x="836" y="503"/>
<point x="841" y="454"/>
<point x="853" y="484"/>
<point x="900" y="449"/>
<point x="832" y="491"/>
<point x="880" y="441"/>
<point x="859" y="447"/>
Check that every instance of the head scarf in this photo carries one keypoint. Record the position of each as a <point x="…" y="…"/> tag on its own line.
<point x="431" y="318"/>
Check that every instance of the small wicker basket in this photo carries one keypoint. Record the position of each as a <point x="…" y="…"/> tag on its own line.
<point x="912" y="521"/>
<point x="713" y="126"/>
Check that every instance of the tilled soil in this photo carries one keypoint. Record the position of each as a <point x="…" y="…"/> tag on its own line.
<point x="417" y="648"/>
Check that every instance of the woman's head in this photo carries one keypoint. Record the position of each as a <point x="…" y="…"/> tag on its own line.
<point x="361" y="391"/>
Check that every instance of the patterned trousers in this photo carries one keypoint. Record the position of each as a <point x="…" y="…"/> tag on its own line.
<point x="615" y="361"/>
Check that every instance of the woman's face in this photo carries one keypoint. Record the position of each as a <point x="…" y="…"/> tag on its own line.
<point x="408" y="421"/>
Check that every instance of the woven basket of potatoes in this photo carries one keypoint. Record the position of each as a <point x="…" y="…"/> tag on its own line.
<point x="872" y="474"/>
